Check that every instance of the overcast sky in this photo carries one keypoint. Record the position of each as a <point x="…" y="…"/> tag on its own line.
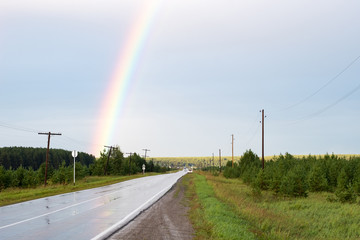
<point x="204" y="72"/>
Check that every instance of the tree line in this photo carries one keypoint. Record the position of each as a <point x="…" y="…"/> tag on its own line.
<point x="25" y="167"/>
<point x="28" y="157"/>
<point x="287" y="175"/>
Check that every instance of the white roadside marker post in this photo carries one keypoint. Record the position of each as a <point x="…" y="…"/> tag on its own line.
<point x="74" y="154"/>
<point x="143" y="168"/>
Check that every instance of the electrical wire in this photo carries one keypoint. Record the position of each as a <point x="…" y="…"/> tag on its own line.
<point x="78" y="143"/>
<point x="252" y="137"/>
<point x="251" y="130"/>
<point x="324" y="86"/>
<point x="18" y="128"/>
<point x="335" y="103"/>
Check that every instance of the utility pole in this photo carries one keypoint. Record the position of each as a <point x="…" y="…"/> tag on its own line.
<point x="130" y="162"/>
<point x="262" y="155"/>
<point x="146" y="150"/>
<point x="220" y="159"/>
<point x="47" y="151"/>
<point x="107" y="162"/>
<point x="232" y="149"/>
<point x="213" y="159"/>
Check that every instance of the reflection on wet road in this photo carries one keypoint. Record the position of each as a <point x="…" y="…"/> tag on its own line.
<point x="89" y="214"/>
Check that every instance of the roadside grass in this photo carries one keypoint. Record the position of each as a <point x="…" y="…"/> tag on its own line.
<point x="15" y="195"/>
<point x="212" y="218"/>
<point x="196" y="214"/>
<point x="273" y="217"/>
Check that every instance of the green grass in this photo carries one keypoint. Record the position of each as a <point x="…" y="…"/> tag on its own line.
<point x="272" y="217"/>
<point x="217" y="218"/>
<point x="201" y="226"/>
<point x="16" y="195"/>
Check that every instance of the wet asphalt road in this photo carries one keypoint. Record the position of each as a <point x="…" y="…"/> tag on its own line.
<point x="89" y="214"/>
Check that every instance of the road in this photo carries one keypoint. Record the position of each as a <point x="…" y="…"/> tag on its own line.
<point x="89" y="214"/>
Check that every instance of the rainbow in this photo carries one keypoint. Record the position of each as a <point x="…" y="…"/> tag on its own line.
<point x="115" y="95"/>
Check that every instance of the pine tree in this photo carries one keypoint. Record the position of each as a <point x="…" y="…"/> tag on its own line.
<point x="345" y="191"/>
<point x="317" y="179"/>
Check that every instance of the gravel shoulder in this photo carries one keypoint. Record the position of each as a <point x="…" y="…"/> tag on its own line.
<point x="166" y="219"/>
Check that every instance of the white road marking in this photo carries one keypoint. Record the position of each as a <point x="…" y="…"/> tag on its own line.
<point x="49" y="213"/>
<point x="120" y="223"/>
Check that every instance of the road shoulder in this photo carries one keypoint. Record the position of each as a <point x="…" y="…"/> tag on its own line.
<point x="166" y="219"/>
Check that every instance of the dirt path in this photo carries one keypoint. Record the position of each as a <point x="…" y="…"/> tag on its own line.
<point x="166" y="219"/>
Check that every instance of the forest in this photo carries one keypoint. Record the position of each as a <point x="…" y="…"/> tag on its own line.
<point x="25" y="167"/>
<point x="14" y="157"/>
<point x="288" y="176"/>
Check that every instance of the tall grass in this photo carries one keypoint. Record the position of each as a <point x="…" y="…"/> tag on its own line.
<point x="220" y="217"/>
<point x="274" y="217"/>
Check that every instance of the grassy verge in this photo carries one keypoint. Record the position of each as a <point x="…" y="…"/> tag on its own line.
<point x="201" y="226"/>
<point x="271" y="217"/>
<point x="213" y="219"/>
<point x="16" y="195"/>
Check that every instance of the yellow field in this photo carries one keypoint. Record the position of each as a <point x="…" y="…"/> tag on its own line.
<point x="197" y="161"/>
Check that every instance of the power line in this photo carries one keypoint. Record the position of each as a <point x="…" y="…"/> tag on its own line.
<point x="254" y="134"/>
<point x="324" y="86"/>
<point x="80" y="142"/>
<point x="336" y="102"/>
<point x="18" y="128"/>
<point x="253" y="130"/>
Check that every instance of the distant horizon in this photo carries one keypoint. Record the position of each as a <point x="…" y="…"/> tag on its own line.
<point x="216" y="156"/>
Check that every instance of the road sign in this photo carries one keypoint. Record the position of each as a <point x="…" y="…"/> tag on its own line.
<point x="74" y="153"/>
<point x="143" y="168"/>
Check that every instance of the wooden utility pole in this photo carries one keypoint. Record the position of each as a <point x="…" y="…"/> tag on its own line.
<point x="130" y="162"/>
<point x="213" y="159"/>
<point x="107" y="162"/>
<point x="220" y="159"/>
<point x="232" y="150"/>
<point x="262" y="140"/>
<point x="146" y="150"/>
<point x="47" y="151"/>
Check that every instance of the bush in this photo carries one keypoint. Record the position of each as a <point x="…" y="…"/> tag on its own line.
<point x="5" y="178"/>
<point x="346" y="195"/>
<point x="63" y="175"/>
<point x="261" y="180"/>
<point x="345" y="191"/>
<point x="18" y="177"/>
<point x="294" y="184"/>
<point x="249" y="175"/>
<point x="30" y="179"/>
<point x="230" y="172"/>
<point x="317" y="179"/>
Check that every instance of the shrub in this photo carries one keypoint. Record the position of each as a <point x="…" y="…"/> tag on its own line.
<point x="230" y="172"/>
<point x="30" y="179"/>
<point x="294" y="184"/>
<point x="261" y="180"/>
<point x="345" y="191"/>
<point x="317" y="179"/>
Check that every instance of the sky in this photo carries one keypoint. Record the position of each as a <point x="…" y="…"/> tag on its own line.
<point x="194" y="72"/>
